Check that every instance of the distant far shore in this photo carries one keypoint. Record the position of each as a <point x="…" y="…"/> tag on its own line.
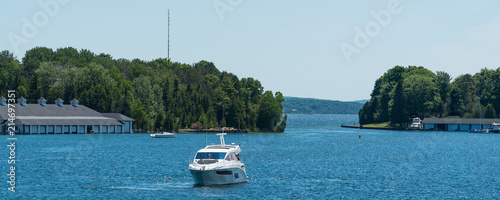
<point x="296" y="105"/>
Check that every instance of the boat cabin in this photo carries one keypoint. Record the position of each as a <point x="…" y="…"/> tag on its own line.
<point x="215" y="153"/>
<point x="494" y="127"/>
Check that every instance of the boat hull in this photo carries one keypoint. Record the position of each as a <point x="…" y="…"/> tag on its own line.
<point x="219" y="176"/>
<point x="163" y="135"/>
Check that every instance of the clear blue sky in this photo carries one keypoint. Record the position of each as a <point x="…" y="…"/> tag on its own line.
<point x="289" y="45"/>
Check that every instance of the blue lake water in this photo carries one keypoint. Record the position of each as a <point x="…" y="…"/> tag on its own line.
<point x="314" y="159"/>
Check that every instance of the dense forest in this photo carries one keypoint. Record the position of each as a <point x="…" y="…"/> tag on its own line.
<point x="403" y="93"/>
<point x="158" y="94"/>
<point x="294" y="105"/>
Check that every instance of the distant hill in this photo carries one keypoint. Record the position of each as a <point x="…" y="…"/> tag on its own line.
<point x="361" y="101"/>
<point x="295" y="105"/>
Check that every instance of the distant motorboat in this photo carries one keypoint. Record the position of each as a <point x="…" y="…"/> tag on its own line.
<point x="163" y="135"/>
<point x="478" y="131"/>
<point x="494" y="128"/>
<point x="218" y="165"/>
<point x="416" y="124"/>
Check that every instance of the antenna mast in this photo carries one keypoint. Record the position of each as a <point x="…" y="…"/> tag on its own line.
<point x="168" y="44"/>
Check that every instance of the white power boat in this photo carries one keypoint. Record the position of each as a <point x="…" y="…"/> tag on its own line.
<point x="416" y="124"/>
<point x="494" y="128"/>
<point x="163" y="135"/>
<point x="218" y="165"/>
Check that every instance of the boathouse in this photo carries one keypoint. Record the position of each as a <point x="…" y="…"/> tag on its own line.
<point x="59" y="118"/>
<point x="457" y="124"/>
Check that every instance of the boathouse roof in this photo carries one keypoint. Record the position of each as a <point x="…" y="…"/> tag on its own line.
<point x="117" y="116"/>
<point x="459" y="121"/>
<point x="35" y="114"/>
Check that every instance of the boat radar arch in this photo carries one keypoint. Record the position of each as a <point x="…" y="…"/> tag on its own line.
<point x="222" y="142"/>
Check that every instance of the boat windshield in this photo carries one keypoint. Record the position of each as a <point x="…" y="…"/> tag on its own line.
<point x="210" y="155"/>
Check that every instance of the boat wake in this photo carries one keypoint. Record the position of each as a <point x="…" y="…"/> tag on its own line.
<point x="154" y="187"/>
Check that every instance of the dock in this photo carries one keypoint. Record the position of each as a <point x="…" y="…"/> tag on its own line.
<point x="374" y="128"/>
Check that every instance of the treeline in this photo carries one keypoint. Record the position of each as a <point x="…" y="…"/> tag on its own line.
<point x="319" y="106"/>
<point x="403" y="93"/>
<point x="158" y="94"/>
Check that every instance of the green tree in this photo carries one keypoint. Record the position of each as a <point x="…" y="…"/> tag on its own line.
<point x="207" y="68"/>
<point x="53" y="94"/>
<point x="440" y="109"/>
<point x="490" y="112"/>
<point x="372" y="117"/>
<point x="7" y="57"/>
<point x="222" y="99"/>
<point x="34" y="57"/>
<point x="495" y="99"/>
<point x="443" y="84"/>
<point x="389" y="79"/>
<point x="138" y="112"/>
<point x="281" y="127"/>
<point x="384" y="107"/>
<point x="421" y="95"/>
<point x="362" y="114"/>
<point x="34" y="92"/>
<point x="47" y="76"/>
<point x="398" y="114"/>
<point x="488" y="87"/>
<point x="456" y="106"/>
<point x="21" y="91"/>
<point x="151" y="97"/>
<point x="85" y="57"/>
<point x="466" y="86"/>
<point x="67" y="56"/>
<point x="211" y="117"/>
<point x="235" y="112"/>
<point x="10" y="72"/>
<point x="270" y="111"/>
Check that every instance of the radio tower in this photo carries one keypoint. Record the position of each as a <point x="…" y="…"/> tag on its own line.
<point x="168" y="43"/>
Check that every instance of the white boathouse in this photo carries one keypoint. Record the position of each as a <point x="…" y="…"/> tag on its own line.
<point x="58" y="118"/>
<point x="457" y="124"/>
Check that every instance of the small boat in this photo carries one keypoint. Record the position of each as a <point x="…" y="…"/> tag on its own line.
<point x="416" y="124"/>
<point x="218" y="165"/>
<point x="494" y="128"/>
<point x="478" y="131"/>
<point x="163" y="135"/>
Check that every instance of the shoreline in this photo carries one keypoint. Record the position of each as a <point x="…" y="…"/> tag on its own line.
<point x="377" y="128"/>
